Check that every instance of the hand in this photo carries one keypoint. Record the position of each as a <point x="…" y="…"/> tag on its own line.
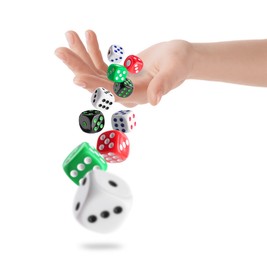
<point x="166" y="66"/>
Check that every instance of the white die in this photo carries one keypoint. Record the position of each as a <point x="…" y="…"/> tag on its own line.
<point x="123" y="120"/>
<point x="115" y="53"/>
<point x="102" y="99"/>
<point x="102" y="201"/>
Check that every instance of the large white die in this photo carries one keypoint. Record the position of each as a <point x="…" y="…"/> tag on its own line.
<point x="115" y="53"/>
<point x="102" y="99"/>
<point x="102" y="201"/>
<point x="124" y="121"/>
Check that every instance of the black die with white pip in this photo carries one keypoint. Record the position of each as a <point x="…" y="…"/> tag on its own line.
<point x="115" y="53"/>
<point x="124" y="121"/>
<point x="102" y="99"/>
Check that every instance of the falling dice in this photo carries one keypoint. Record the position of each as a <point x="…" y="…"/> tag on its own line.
<point x="91" y="121"/>
<point x="82" y="159"/>
<point x="133" y="64"/>
<point x="117" y="73"/>
<point x="102" y="201"/>
<point x="114" y="146"/>
<point x="123" y="120"/>
<point x="102" y="99"/>
<point x="115" y="53"/>
<point x="123" y="89"/>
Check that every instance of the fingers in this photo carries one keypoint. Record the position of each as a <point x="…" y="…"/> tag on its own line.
<point x="77" y="47"/>
<point x="91" y="82"/>
<point x="73" y="61"/>
<point x="129" y="105"/>
<point x="94" y="51"/>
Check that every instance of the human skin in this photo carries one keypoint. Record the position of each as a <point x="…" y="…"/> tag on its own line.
<point x="168" y="64"/>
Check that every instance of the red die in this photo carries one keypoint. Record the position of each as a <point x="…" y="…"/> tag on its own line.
<point x="114" y="146"/>
<point x="133" y="64"/>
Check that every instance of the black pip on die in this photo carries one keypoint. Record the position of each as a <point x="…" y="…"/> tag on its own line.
<point x="102" y="99"/>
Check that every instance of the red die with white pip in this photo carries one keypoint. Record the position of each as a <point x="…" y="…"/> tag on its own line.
<point x="133" y="64"/>
<point x="114" y="146"/>
<point x="124" y="121"/>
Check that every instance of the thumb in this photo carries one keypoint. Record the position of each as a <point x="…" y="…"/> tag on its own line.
<point x="158" y="86"/>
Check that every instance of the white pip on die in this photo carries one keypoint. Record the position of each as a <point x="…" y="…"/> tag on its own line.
<point x="115" y="53"/>
<point x="124" y="121"/>
<point x="102" y="99"/>
<point x="102" y="201"/>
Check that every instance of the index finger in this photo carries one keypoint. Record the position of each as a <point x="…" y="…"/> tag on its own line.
<point x="94" y="51"/>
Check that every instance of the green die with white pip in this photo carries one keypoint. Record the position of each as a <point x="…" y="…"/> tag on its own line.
<point x="117" y="73"/>
<point x="123" y="89"/>
<point x="81" y="160"/>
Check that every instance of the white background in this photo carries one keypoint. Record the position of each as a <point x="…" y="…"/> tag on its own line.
<point x="197" y="167"/>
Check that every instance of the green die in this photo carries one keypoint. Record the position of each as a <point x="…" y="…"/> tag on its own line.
<point x="123" y="89"/>
<point x="117" y="73"/>
<point x="81" y="160"/>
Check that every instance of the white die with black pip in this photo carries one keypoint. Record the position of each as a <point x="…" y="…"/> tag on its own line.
<point x="102" y="201"/>
<point x="102" y="99"/>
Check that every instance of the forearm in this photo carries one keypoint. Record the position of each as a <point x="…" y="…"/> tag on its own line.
<point x="239" y="62"/>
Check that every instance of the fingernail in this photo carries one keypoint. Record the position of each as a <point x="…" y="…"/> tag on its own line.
<point x="158" y="98"/>
<point x="80" y="83"/>
<point x="87" y="35"/>
<point x="61" y="56"/>
<point x="69" y="37"/>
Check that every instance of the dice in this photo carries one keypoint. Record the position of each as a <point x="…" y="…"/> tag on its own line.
<point x="117" y="73"/>
<point x="102" y="201"/>
<point x="115" y="53"/>
<point x="91" y="121"/>
<point x="123" y="89"/>
<point x="82" y="159"/>
<point x="102" y="99"/>
<point x="124" y="121"/>
<point x="114" y="146"/>
<point x="133" y="64"/>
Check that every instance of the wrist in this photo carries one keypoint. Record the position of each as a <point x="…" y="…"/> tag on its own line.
<point x="198" y="60"/>
<point x="186" y="55"/>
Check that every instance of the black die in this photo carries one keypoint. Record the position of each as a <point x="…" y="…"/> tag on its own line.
<point x="123" y="89"/>
<point x="92" y="121"/>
